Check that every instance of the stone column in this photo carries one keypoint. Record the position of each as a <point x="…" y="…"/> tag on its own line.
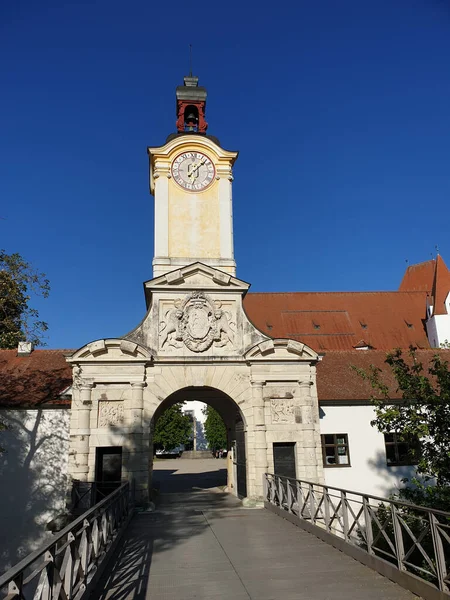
<point x="137" y="405"/>
<point x="138" y="464"/>
<point x="83" y="432"/>
<point x="309" y="422"/>
<point x="261" y="465"/>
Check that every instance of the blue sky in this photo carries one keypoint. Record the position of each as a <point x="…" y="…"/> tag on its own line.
<point x="340" y="111"/>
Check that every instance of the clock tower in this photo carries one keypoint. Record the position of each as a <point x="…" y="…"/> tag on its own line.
<point x="191" y="181"/>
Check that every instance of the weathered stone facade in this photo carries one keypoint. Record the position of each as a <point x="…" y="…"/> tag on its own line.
<point x="195" y="341"/>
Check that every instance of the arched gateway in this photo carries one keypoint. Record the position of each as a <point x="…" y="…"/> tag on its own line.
<point x="195" y="342"/>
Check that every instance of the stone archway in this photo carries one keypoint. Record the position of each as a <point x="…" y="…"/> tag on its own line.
<point x="195" y="335"/>
<point x="233" y="418"/>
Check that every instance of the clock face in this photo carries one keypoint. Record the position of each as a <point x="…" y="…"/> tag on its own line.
<point x="193" y="171"/>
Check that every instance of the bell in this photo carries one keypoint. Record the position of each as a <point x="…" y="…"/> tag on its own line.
<point x="191" y="118"/>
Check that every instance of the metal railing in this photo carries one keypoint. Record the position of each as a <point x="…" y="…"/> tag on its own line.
<point x="85" y="494"/>
<point x="413" y="539"/>
<point x="68" y="566"/>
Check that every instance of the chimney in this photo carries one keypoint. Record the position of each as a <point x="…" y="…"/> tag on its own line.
<point x="24" y="348"/>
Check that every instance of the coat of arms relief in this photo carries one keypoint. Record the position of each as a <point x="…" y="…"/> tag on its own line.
<point x="197" y="322"/>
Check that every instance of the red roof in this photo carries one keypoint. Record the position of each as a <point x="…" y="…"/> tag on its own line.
<point x="433" y="277"/>
<point x="340" y="320"/>
<point x="35" y="379"/>
<point x="441" y="287"/>
<point x="336" y="380"/>
<point x="418" y="278"/>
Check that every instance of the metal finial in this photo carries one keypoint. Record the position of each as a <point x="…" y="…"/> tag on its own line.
<point x="437" y="249"/>
<point x="190" y="60"/>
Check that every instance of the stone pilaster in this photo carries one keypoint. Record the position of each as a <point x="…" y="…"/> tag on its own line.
<point x="310" y="435"/>
<point x="81" y="437"/>
<point x="260" y="442"/>
<point x="138" y="463"/>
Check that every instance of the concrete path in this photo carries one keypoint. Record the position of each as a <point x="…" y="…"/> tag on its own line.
<point x="201" y="544"/>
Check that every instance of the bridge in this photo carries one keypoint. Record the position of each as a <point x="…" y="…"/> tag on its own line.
<point x="308" y="541"/>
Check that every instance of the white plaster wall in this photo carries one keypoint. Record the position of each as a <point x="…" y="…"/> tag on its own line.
<point x="438" y="329"/>
<point x="33" y="476"/>
<point x="197" y="407"/>
<point x="432" y="333"/>
<point x="368" y="471"/>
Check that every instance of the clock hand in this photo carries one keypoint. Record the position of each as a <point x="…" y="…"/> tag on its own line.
<point x="194" y="167"/>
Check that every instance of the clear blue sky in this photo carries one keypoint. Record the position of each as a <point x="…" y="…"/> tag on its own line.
<point x="340" y="111"/>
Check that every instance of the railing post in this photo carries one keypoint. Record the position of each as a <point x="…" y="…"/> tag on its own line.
<point x="265" y="487"/>
<point x="326" y="506"/>
<point x="311" y="504"/>
<point x="280" y="492"/>
<point x="439" y="554"/>
<point x="15" y="588"/>
<point x="68" y="575"/>
<point x="298" y="488"/>
<point x="368" y="524"/>
<point x="289" y="495"/>
<point x="398" y="538"/>
<point x="344" y="508"/>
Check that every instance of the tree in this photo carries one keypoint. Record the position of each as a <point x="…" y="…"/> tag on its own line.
<point x="18" y="321"/>
<point x="172" y="429"/>
<point x="215" y="430"/>
<point x="422" y="414"/>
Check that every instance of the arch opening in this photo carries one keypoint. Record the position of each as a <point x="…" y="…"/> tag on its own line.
<point x="204" y="472"/>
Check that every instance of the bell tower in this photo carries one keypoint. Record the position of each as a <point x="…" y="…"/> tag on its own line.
<point x="191" y="181"/>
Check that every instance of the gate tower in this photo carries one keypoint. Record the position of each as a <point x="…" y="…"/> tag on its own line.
<point x="195" y="340"/>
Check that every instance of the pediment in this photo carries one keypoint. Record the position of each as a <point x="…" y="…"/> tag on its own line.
<point x="111" y="350"/>
<point x="281" y="349"/>
<point x="193" y="277"/>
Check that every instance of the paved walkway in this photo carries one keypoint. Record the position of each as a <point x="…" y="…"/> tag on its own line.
<point x="201" y="544"/>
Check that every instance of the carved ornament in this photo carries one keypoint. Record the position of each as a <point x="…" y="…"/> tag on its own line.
<point x="282" y="410"/>
<point x="197" y="322"/>
<point x="110" y="413"/>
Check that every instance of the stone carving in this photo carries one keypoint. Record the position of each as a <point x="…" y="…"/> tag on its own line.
<point x="197" y="322"/>
<point x="171" y="327"/>
<point x="282" y="410"/>
<point x="76" y="375"/>
<point x="110" y="413"/>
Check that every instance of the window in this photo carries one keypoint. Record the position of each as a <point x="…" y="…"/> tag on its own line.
<point x="399" y="451"/>
<point x="335" y="450"/>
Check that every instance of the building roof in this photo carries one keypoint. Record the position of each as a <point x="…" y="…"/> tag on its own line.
<point x="418" y="278"/>
<point x="40" y="378"/>
<point x="342" y="320"/>
<point x="337" y="380"/>
<point x="34" y="380"/>
<point x="432" y="277"/>
<point x="441" y="286"/>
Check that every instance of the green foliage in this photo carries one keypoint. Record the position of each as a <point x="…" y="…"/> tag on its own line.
<point x="423" y="413"/>
<point x="172" y="429"/>
<point x="410" y="519"/>
<point x="215" y="430"/>
<point x="18" y="321"/>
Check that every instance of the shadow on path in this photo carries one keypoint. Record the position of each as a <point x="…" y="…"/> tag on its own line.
<point x="202" y="545"/>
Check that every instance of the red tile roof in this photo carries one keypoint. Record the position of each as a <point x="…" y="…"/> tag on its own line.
<point x="441" y="287"/>
<point x="418" y="278"/>
<point x="336" y="380"/>
<point x="33" y="380"/>
<point x="340" y="320"/>
<point x="433" y="277"/>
